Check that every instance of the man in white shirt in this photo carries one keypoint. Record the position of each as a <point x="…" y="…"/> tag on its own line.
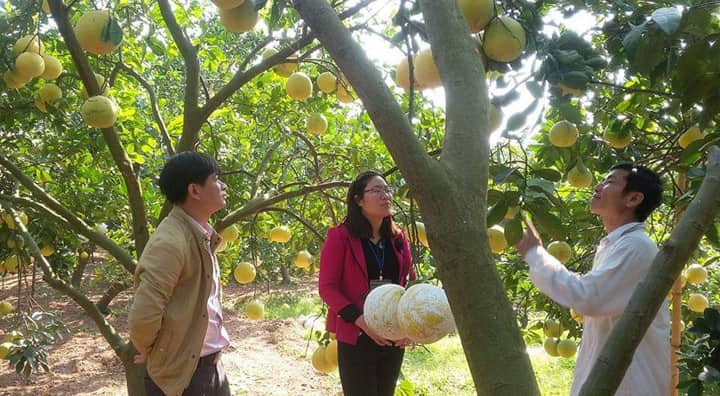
<point x="623" y="200"/>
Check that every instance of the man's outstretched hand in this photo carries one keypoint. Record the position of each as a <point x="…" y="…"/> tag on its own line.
<point x="530" y="238"/>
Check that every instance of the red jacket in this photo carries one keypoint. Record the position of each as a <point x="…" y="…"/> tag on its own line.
<point x="344" y="280"/>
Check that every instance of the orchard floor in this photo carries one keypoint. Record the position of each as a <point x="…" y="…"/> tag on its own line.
<point x="267" y="357"/>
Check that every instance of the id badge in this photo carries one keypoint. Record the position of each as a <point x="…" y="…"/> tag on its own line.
<point x="378" y="282"/>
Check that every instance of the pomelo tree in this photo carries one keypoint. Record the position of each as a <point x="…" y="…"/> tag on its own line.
<point x="189" y="75"/>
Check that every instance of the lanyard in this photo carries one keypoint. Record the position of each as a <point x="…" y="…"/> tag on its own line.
<point x="380" y="261"/>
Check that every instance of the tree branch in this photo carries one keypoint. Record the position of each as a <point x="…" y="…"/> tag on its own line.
<point x="258" y="205"/>
<point x="59" y="213"/>
<point x="617" y="353"/>
<point x="106" y="329"/>
<point x="192" y="119"/>
<point x="132" y="185"/>
<point x="155" y="109"/>
<point x="387" y="116"/>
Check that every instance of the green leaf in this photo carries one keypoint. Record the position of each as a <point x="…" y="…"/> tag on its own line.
<point x="496" y="213"/>
<point x="513" y="231"/>
<point x="713" y="236"/>
<point x="535" y="89"/>
<point x="547" y="174"/>
<point x="633" y="36"/>
<point x="112" y="32"/>
<point x="516" y="121"/>
<point x="569" y="112"/>
<point x="668" y="19"/>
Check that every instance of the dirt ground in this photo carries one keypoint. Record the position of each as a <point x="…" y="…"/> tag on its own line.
<point x="267" y="357"/>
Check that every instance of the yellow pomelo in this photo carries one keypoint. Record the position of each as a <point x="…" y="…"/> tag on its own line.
<point x="343" y="93"/>
<point x="402" y="75"/>
<point x="303" y="259"/>
<point x="552" y="328"/>
<point x="244" y="272"/>
<point x="563" y="134"/>
<point x="40" y="104"/>
<point x="616" y="141"/>
<point x="331" y="356"/>
<point x="280" y="234"/>
<point x="5" y="348"/>
<point x="697" y="302"/>
<point x="29" y="65"/>
<point x="255" y="309"/>
<point x="299" y="86"/>
<point x="424" y="313"/>
<point x="421" y="234"/>
<point x="6" y="307"/>
<point x="380" y="310"/>
<point x="477" y="13"/>
<point x="230" y="234"/>
<point x="12" y="263"/>
<point x="98" y="32"/>
<point x="504" y="39"/>
<point x="99" y="112"/>
<point x="320" y="361"/>
<point x="101" y="82"/>
<point x="29" y="43"/>
<point x="690" y="135"/>
<point x="227" y="4"/>
<point x="696" y="274"/>
<point x="496" y="237"/>
<point x="566" y="348"/>
<point x="53" y="67"/>
<point x="12" y="337"/>
<point x="49" y="93"/>
<point x="326" y="82"/>
<point x="317" y="124"/>
<point x="84" y="255"/>
<point x="45" y="6"/>
<point x="565" y="90"/>
<point x="560" y="250"/>
<point x="579" y="176"/>
<point x="241" y="18"/>
<point x="426" y="72"/>
<point x="13" y="80"/>
<point x="47" y="250"/>
<point x="550" y="345"/>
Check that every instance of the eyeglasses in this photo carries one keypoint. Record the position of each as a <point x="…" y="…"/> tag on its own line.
<point x="381" y="191"/>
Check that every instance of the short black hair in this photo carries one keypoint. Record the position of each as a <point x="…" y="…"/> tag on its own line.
<point x="642" y="179"/>
<point x="183" y="169"/>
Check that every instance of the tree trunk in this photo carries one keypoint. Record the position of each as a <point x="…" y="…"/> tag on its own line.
<point x="134" y="373"/>
<point x="285" y="274"/>
<point x="617" y="353"/>
<point x="451" y="193"/>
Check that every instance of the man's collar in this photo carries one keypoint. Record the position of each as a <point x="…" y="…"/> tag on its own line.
<point x="615" y="234"/>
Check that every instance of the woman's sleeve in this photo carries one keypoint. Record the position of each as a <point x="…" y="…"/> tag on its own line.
<point x="332" y="259"/>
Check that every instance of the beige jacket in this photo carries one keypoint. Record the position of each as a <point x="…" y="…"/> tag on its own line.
<point x="168" y="317"/>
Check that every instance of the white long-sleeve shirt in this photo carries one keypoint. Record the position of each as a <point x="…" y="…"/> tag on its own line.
<point x="621" y="261"/>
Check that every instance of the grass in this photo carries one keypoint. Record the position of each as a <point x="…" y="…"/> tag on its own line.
<point x="442" y="369"/>
<point x="439" y="368"/>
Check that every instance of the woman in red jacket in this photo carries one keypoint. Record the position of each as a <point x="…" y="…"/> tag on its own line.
<point x="363" y="252"/>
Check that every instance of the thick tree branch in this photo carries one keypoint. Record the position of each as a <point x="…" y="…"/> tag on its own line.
<point x="191" y="113"/>
<point x="106" y="329"/>
<point x="119" y="155"/>
<point x="259" y="204"/>
<point x="617" y="353"/>
<point x="466" y="100"/>
<point x="56" y="211"/>
<point x="387" y="116"/>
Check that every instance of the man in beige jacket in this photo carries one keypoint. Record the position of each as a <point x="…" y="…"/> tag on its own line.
<point x="175" y="320"/>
